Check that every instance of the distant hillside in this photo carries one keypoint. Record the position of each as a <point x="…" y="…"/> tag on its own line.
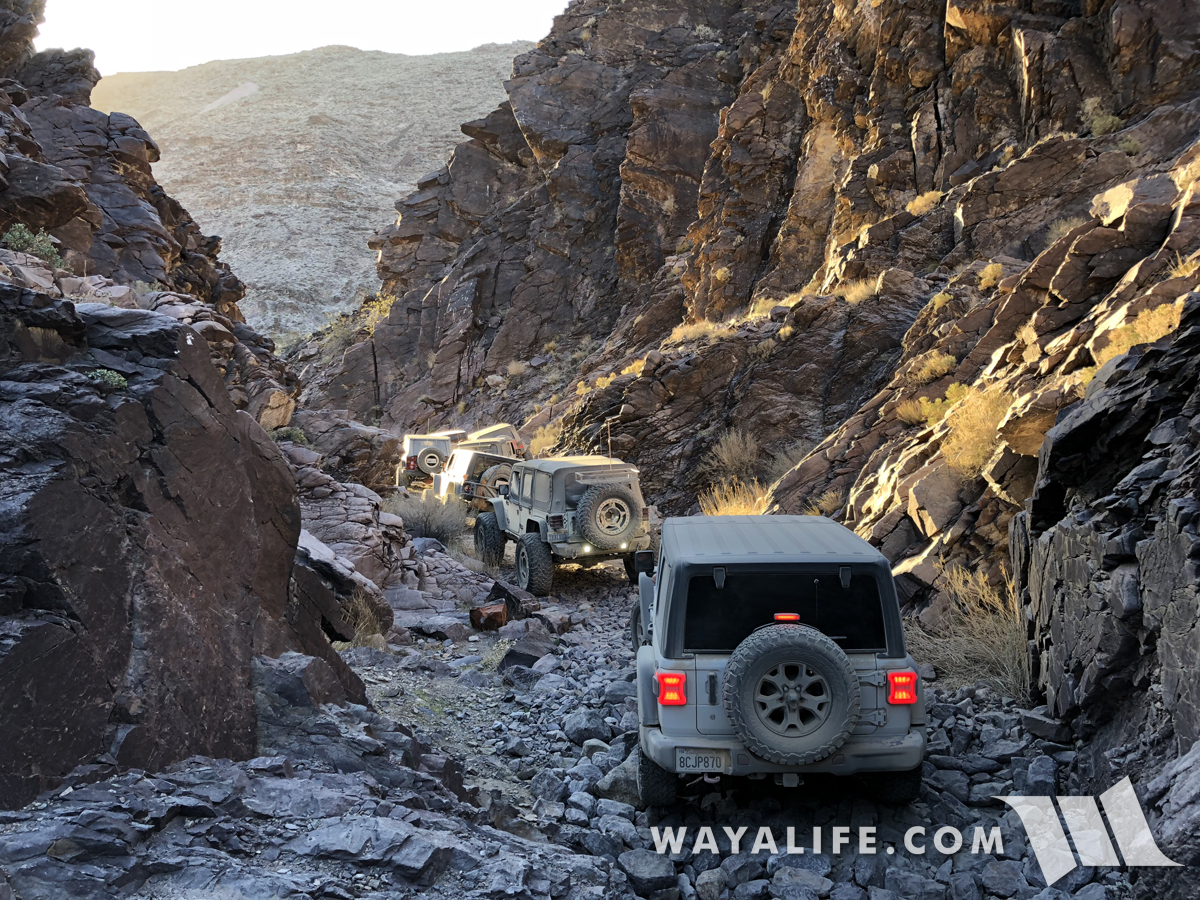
<point x="294" y="160"/>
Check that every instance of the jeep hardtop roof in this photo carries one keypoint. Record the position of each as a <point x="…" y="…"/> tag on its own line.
<point x="559" y="463"/>
<point x="724" y="540"/>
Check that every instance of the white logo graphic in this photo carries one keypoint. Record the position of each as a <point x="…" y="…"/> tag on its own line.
<point x="1082" y="815"/>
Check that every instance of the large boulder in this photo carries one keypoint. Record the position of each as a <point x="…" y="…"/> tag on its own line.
<point x="147" y="529"/>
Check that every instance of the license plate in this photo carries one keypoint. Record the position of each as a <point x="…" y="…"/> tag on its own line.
<point x="558" y="538"/>
<point x="688" y="759"/>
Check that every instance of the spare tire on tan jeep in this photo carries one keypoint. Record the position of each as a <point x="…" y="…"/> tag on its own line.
<point x="608" y="515"/>
<point x="791" y="694"/>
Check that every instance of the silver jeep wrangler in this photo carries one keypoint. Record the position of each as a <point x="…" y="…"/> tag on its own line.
<point x="771" y="645"/>
<point x="585" y="509"/>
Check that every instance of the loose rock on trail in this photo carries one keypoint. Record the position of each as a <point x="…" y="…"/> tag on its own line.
<point x="512" y="777"/>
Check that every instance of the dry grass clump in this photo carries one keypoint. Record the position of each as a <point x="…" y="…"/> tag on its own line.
<point x="1027" y="335"/>
<point x="990" y="276"/>
<point x="787" y="459"/>
<point x="690" y="331"/>
<point x="981" y="637"/>
<point x="825" y="505"/>
<point x="734" y="455"/>
<point x="857" y="291"/>
<point x="785" y="332"/>
<point x="1185" y="268"/>
<point x="342" y="330"/>
<point x="926" y="411"/>
<point x="1148" y="327"/>
<point x="734" y="498"/>
<point x="1129" y="145"/>
<point x="1060" y="228"/>
<point x="973" y="437"/>
<point x="634" y="367"/>
<point x="360" y="614"/>
<point x="924" y="203"/>
<point x="549" y="346"/>
<point x="517" y="368"/>
<point x="546" y="438"/>
<point x="764" y="350"/>
<point x="940" y="300"/>
<point x="761" y="308"/>
<point x="934" y="365"/>
<point x="427" y="516"/>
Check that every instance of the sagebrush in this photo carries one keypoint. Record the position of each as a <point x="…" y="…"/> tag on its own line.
<point x="973" y="435"/>
<point x="734" y="455"/>
<point x="1146" y="328"/>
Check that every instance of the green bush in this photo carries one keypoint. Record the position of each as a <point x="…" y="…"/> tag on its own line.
<point x="109" y="378"/>
<point x="21" y="240"/>
<point x="293" y="434"/>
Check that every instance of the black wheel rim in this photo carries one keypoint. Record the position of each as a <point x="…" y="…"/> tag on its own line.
<point x="522" y="568"/>
<point x="792" y="699"/>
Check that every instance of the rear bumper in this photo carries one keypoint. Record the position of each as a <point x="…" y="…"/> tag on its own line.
<point x="862" y="753"/>
<point x="575" y="550"/>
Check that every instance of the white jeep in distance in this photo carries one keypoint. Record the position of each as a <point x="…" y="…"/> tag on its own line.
<point x="585" y="509"/>
<point x="772" y="645"/>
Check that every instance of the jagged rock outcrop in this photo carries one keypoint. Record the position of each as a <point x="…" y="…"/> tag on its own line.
<point x="581" y="224"/>
<point x="148" y="533"/>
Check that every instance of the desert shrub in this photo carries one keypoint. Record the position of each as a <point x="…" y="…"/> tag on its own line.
<point x="142" y="288"/>
<point x="293" y="434"/>
<point x="546" y="438"/>
<point x="764" y="350"/>
<point x="856" y="291"/>
<point x="980" y="638"/>
<point x="933" y="366"/>
<point x="940" y="300"/>
<point x="786" y="459"/>
<point x="605" y="380"/>
<point x="1148" y="327"/>
<point x="990" y="276"/>
<point x="1098" y="120"/>
<point x="761" y="308"/>
<point x="973" y="437"/>
<point x="826" y="504"/>
<point x="516" y="369"/>
<point x="427" y="399"/>
<point x="924" y="203"/>
<point x="359" y="613"/>
<point x="734" y="455"/>
<point x="785" y="332"/>
<point x="1027" y="334"/>
<point x="549" y="346"/>
<point x="634" y="368"/>
<point x="1060" y="228"/>
<point x="461" y="407"/>
<point x="1129" y="145"/>
<point x="734" y="498"/>
<point x="109" y="379"/>
<point x="21" y="240"/>
<point x="427" y="516"/>
<point x="924" y="410"/>
<point x="721" y="275"/>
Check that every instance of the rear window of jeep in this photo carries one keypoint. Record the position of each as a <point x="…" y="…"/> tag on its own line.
<point x="718" y="619"/>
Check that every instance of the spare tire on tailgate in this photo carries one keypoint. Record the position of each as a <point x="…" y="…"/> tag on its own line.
<point x="429" y="460"/>
<point x="791" y="694"/>
<point x="608" y="515"/>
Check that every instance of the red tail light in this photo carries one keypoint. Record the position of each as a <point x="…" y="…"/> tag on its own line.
<point x="902" y="688"/>
<point x="554" y="521"/>
<point x="787" y="617"/>
<point x="670" y="689"/>
<point x="410" y="463"/>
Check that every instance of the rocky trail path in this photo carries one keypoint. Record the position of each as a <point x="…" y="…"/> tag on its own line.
<point x="512" y="775"/>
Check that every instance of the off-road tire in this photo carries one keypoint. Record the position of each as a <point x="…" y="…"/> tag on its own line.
<point x="430" y="461"/>
<point x="489" y="539"/>
<point x="655" y="785"/>
<point x="771" y="649"/>
<point x="894" y="788"/>
<point x="635" y="624"/>
<point x="495" y="476"/>
<point x="538" y="569"/>
<point x="602" y="498"/>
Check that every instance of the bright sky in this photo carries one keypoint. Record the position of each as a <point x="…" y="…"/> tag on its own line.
<point x="152" y="35"/>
